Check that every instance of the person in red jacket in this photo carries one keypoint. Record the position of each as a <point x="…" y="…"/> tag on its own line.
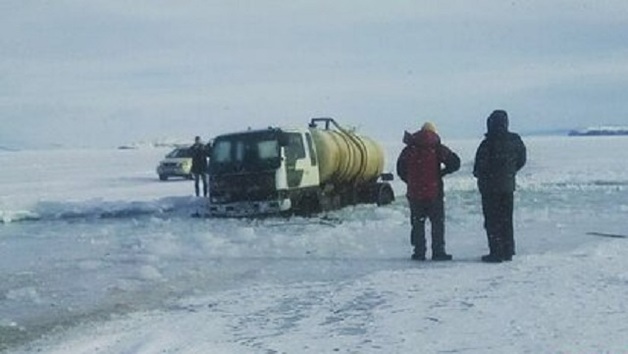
<point x="421" y="165"/>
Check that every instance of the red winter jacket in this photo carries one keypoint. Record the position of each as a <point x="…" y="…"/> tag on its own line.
<point x="420" y="165"/>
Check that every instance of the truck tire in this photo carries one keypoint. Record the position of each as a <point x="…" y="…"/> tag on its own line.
<point x="385" y="194"/>
<point x="163" y="177"/>
<point x="309" y="205"/>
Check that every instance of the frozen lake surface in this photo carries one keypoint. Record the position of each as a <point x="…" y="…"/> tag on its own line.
<point x="98" y="255"/>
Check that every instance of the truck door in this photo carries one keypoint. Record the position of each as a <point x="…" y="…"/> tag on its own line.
<point x="294" y="151"/>
<point x="299" y="167"/>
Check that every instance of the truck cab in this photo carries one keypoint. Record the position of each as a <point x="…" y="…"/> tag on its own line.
<point x="261" y="171"/>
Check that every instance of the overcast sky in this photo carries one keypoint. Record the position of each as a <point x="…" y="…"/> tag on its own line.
<point x="104" y="73"/>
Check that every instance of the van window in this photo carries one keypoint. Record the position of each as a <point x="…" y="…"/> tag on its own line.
<point x="180" y="153"/>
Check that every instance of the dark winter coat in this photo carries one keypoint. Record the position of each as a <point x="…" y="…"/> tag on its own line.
<point x="199" y="158"/>
<point x="422" y="164"/>
<point x="499" y="157"/>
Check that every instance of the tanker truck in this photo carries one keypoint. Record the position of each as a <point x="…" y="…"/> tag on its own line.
<point x="295" y="171"/>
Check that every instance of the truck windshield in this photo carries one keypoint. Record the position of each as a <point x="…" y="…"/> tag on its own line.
<point x="246" y="152"/>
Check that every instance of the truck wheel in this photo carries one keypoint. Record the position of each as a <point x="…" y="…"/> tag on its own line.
<point x="163" y="177"/>
<point x="309" y="205"/>
<point x="385" y="194"/>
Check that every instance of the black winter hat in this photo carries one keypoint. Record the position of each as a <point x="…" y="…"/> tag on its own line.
<point x="497" y="121"/>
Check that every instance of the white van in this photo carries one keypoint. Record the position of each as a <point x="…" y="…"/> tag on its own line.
<point x="177" y="163"/>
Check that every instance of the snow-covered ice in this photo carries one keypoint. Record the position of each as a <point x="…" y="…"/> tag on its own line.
<point x="98" y="256"/>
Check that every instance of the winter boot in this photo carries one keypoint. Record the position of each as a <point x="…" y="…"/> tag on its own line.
<point x="507" y="253"/>
<point x="418" y="255"/>
<point x="491" y="258"/>
<point x="441" y="257"/>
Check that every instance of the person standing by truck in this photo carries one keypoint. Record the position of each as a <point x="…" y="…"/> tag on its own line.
<point x="498" y="159"/>
<point x="421" y="165"/>
<point x="199" y="165"/>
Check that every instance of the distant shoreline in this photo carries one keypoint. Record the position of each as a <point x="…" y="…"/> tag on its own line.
<point x="600" y="132"/>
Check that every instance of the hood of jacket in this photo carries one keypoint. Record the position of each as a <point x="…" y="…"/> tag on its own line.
<point x="497" y="123"/>
<point x="422" y="137"/>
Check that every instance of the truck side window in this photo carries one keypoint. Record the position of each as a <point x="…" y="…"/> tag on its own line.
<point x="295" y="149"/>
<point x="267" y="149"/>
<point x="222" y="151"/>
<point x="240" y="151"/>
<point x="310" y="146"/>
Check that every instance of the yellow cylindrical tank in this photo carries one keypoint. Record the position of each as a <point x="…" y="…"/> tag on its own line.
<point x="345" y="157"/>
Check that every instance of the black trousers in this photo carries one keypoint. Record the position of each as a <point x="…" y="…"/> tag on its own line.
<point x="498" y="209"/>
<point x="420" y="211"/>
<point x="203" y="177"/>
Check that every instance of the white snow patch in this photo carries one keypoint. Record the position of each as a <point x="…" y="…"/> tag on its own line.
<point x="28" y="295"/>
<point x="100" y="256"/>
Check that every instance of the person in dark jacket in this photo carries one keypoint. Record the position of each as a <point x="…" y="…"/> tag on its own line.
<point x="199" y="165"/>
<point x="421" y="165"/>
<point x="498" y="159"/>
